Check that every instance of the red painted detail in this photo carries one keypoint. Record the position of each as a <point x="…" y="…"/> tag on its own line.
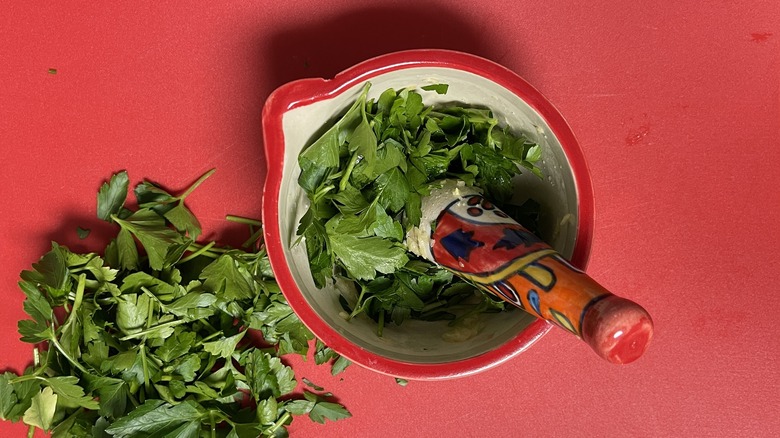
<point x="486" y="258"/>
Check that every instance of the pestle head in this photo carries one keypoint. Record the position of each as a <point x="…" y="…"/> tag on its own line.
<point x="618" y="330"/>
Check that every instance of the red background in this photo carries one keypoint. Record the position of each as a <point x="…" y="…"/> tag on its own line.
<point x="675" y="106"/>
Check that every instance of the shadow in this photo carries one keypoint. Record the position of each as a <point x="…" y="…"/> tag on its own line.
<point x="226" y="234"/>
<point x="229" y="235"/>
<point x="66" y="234"/>
<point x="326" y="47"/>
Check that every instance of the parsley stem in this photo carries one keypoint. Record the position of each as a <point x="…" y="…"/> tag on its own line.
<point x="93" y="284"/>
<point x="142" y="353"/>
<point x="359" y="304"/>
<point x="321" y="192"/>
<point x="149" y="313"/>
<point x="133" y="399"/>
<point x="76" y="301"/>
<point x="432" y="306"/>
<point x="152" y="329"/>
<point x="154" y="359"/>
<point x="59" y="347"/>
<point x="40" y="367"/>
<point x="197" y="183"/>
<point x="243" y="220"/>
<point x="253" y="238"/>
<point x="219" y="415"/>
<point x="347" y="173"/>
<point x="209" y="337"/>
<point x="149" y="293"/>
<point x="198" y="252"/>
<point x="209" y="326"/>
<point x="24" y="378"/>
<point x="279" y="423"/>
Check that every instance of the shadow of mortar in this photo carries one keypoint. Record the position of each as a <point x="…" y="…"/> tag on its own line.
<point x="325" y="48"/>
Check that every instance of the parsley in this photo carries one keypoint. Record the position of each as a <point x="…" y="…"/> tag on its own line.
<point x="83" y="233"/>
<point x="365" y="179"/>
<point x="150" y="339"/>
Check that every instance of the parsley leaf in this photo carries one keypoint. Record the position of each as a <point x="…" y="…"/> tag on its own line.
<point x="438" y="88"/>
<point x="159" y="418"/>
<point x="112" y="395"/>
<point x="68" y="390"/>
<point x="267" y="375"/>
<point x="339" y="365"/>
<point x="158" y="240"/>
<point x="318" y="408"/>
<point x="51" y="272"/>
<point x="83" y="233"/>
<point x="224" y="277"/>
<point x="323" y="411"/>
<point x="363" y="257"/>
<point x="323" y="155"/>
<point x="42" y="409"/>
<point x="112" y="195"/>
<point x="35" y="305"/>
<point x="224" y="347"/>
<point x="7" y="395"/>
<point x="172" y="207"/>
<point x="392" y="189"/>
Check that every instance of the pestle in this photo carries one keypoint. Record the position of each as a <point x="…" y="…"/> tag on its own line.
<point x="468" y="235"/>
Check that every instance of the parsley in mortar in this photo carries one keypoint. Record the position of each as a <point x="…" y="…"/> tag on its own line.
<point x="365" y="178"/>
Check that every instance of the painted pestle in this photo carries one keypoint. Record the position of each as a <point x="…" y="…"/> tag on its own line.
<point x="465" y="233"/>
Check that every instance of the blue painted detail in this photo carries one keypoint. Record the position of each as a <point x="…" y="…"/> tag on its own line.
<point x="533" y="298"/>
<point x="514" y="237"/>
<point x="459" y="244"/>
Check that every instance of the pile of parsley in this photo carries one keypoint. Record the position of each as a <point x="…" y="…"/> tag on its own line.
<point x="365" y="178"/>
<point x="170" y="339"/>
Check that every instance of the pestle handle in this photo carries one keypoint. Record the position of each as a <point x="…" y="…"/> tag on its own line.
<point x="468" y="235"/>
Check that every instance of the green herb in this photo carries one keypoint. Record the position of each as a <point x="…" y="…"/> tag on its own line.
<point x="324" y="354"/>
<point x="83" y="233"/>
<point x="151" y="339"/>
<point x="438" y="88"/>
<point x="365" y="179"/>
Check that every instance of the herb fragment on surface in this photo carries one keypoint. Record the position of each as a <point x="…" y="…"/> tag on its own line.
<point x="365" y="179"/>
<point x="83" y="233"/>
<point x="153" y="337"/>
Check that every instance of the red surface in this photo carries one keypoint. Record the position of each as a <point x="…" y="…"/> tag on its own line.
<point x="306" y="91"/>
<point x="676" y="108"/>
